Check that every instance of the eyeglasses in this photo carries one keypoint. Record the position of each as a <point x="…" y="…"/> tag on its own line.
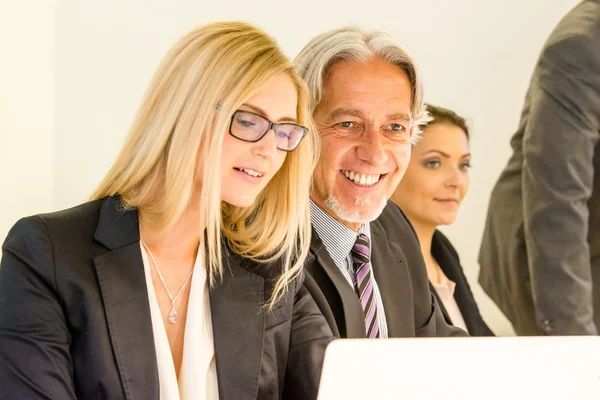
<point x="252" y="127"/>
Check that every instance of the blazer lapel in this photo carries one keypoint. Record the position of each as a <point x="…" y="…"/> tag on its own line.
<point x="393" y="279"/>
<point x="238" y="329"/>
<point x="125" y="297"/>
<point x="443" y="256"/>
<point x="443" y="252"/>
<point x="354" y="323"/>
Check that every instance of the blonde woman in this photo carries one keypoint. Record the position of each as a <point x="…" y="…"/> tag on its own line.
<point x="181" y="278"/>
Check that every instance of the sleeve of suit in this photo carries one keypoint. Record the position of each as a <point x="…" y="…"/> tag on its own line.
<point x="310" y="335"/>
<point x="558" y="151"/>
<point x="433" y="323"/>
<point x="442" y="328"/>
<point x="35" y="361"/>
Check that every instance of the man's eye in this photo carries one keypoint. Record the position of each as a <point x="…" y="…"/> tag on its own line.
<point x="396" y="127"/>
<point x="347" y="124"/>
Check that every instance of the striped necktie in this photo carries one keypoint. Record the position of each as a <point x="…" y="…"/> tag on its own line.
<point x="363" y="283"/>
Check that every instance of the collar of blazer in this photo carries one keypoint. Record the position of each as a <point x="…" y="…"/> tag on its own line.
<point x="235" y="302"/>
<point x="353" y="324"/>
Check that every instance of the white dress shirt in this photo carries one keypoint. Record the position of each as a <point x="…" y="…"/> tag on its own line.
<point x="198" y="372"/>
<point x="445" y="290"/>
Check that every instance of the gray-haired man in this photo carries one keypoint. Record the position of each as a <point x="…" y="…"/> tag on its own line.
<point x="367" y="273"/>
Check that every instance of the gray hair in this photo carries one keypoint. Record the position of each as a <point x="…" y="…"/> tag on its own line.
<point x="356" y="44"/>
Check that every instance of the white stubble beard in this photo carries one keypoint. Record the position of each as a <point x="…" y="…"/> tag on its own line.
<point x="353" y="217"/>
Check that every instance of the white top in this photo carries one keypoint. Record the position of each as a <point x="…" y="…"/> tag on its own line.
<point x="198" y="372"/>
<point x="445" y="290"/>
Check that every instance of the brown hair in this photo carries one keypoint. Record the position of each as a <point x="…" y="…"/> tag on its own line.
<point x="445" y="115"/>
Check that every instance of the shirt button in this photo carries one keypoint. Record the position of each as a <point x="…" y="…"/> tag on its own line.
<point x="547" y="327"/>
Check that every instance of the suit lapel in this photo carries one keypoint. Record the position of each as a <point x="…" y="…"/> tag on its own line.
<point x="124" y="294"/>
<point x="450" y="266"/>
<point x="354" y="324"/>
<point x="238" y="330"/>
<point x="393" y="279"/>
<point x="444" y="260"/>
<point x="443" y="256"/>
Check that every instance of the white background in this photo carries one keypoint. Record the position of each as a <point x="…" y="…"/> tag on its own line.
<point x="72" y="73"/>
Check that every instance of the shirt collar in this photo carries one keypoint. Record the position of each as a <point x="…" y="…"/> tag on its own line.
<point x="337" y="237"/>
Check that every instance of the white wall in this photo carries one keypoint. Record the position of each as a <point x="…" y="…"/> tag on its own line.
<point x="477" y="57"/>
<point x="26" y="109"/>
<point x="483" y="75"/>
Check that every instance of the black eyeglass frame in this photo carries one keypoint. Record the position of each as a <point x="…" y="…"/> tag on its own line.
<point x="272" y="125"/>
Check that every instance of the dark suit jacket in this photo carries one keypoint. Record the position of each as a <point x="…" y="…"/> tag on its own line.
<point x="410" y="307"/>
<point x="540" y="253"/>
<point x="446" y="256"/>
<point x="75" y="319"/>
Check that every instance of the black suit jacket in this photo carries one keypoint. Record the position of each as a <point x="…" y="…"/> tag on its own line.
<point x="75" y="319"/>
<point x="410" y="307"/>
<point x="446" y="256"/>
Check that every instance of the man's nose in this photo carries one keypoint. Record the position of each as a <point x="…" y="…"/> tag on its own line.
<point x="372" y="147"/>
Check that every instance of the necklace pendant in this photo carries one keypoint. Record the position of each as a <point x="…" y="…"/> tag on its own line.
<point x="173" y="316"/>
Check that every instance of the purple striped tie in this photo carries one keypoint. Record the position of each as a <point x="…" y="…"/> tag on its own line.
<point x="363" y="283"/>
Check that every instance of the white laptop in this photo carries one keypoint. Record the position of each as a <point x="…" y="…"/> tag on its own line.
<point x="545" y="368"/>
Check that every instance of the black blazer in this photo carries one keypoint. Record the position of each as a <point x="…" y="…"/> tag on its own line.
<point x="75" y="319"/>
<point x="446" y="256"/>
<point x="410" y="307"/>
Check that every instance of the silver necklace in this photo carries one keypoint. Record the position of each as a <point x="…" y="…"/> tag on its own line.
<point x="173" y="313"/>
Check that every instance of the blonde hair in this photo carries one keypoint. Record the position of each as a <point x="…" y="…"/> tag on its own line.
<point x="356" y="44"/>
<point x="182" y="120"/>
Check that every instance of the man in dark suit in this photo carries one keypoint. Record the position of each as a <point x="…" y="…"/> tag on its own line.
<point x="540" y="254"/>
<point x="366" y="271"/>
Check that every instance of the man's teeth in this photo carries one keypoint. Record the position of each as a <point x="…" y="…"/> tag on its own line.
<point x="250" y="172"/>
<point x="362" y="179"/>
